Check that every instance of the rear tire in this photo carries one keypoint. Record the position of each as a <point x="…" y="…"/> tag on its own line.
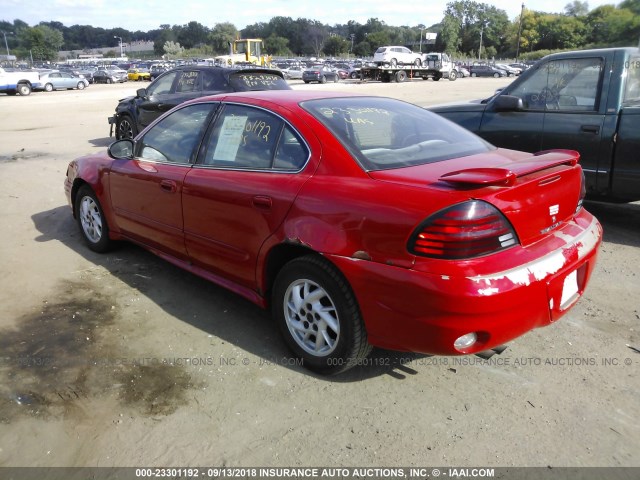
<point x="318" y="315"/>
<point x="401" y="76"/>
<point x="48" y="87"/>
<point x="453" y="76"/>
<point x="496" y="75"/>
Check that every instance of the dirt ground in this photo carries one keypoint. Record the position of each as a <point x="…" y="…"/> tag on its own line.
<point x="124" y="360"/>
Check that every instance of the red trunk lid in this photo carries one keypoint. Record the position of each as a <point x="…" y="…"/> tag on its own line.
<point x="537" y="193"/>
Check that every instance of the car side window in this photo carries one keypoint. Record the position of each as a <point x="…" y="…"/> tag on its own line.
<point x="563" y="85"/>
<point x="253" y="139"/>
<point x="632" y="86"/>
<point x="162" y="85"/>
<point x="214" y="81"/>
<point x="176" y="137"/>
<point x="189" y="81"/>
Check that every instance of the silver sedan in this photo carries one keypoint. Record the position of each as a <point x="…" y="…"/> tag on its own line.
<point x="62" y="81"/>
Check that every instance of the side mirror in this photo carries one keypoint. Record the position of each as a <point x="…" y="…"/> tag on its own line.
<point x="141" y="92"/>
<point x="508" y="103"/>
<point x="121" y="149"/>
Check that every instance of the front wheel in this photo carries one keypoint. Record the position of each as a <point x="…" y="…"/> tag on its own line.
<point x="474" y="75"/>
<point x="453" y="75"/>
<point x="125" y="128"/>
<point x="81" y="85"/>
<point x="91" y="219"/>
<point x="48" y="87"/>
<point x="496" y="75"/>
<point x="318" y="315"/>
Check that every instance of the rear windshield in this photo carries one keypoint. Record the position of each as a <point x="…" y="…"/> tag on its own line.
<point x="382" y="133"/>
<point x="249" y="81"/>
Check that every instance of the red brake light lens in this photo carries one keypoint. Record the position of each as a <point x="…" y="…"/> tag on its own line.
<point x="583" y="192"/>
<point x="466" y="230"/>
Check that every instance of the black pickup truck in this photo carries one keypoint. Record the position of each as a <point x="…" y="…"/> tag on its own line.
<point x="587" y="101"/>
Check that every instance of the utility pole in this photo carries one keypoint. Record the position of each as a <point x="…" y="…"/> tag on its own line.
<point x="519" y="32"/>
<point x="481" y="32"/>
<point x="119" y="38"/>
<point x="5" y="41"/>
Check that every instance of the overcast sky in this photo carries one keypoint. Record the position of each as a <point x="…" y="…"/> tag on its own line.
<point x="147" y="15"/>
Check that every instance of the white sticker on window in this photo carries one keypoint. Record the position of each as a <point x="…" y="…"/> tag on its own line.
<point x="229" y="138"/>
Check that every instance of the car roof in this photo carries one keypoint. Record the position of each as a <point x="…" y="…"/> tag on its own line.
<point x="281" y="97"/>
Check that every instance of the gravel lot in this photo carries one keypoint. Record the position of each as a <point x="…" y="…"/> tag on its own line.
<point x="124" y="360"/>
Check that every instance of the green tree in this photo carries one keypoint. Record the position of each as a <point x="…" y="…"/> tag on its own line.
<point x="275" y="45"/>
<point x="42" y="42"/>
<point x="166" y="34"/>
<point x="191" y="34"/>
<point x="173" y="49"/>
<point x="221" y="35"/>
<point x="450" y="35"/>
<point x="363" y="49"/>
<point x="577" y="8"/>
<point x="633" y="5"/>
<point x="469" y="19"/>
<point x="609" y="26"/>
<point x="335" y="46"/>
<point x="378" y="39"/>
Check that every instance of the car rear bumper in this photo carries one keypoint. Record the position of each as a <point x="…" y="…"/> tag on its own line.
<point x="410" y="310"/>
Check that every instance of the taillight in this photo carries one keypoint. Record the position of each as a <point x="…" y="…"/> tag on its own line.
<point x="583" y="192"/>
<point x="465" y="230"/>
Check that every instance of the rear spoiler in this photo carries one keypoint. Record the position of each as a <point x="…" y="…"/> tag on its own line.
<point x="505" y="176"/>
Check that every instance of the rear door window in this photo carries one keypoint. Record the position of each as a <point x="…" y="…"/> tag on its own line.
<point x="190" y="81"/>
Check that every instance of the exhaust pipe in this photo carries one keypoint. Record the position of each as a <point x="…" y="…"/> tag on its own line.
<point x="487" y="354"/>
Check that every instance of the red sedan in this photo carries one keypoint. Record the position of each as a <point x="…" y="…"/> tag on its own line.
<point x="360" y="221"/>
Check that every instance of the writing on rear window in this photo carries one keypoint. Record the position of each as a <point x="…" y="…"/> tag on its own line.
<point x="262" y="80"/>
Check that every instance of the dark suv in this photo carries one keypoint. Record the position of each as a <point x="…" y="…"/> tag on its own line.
<point x="180" y="84"/>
